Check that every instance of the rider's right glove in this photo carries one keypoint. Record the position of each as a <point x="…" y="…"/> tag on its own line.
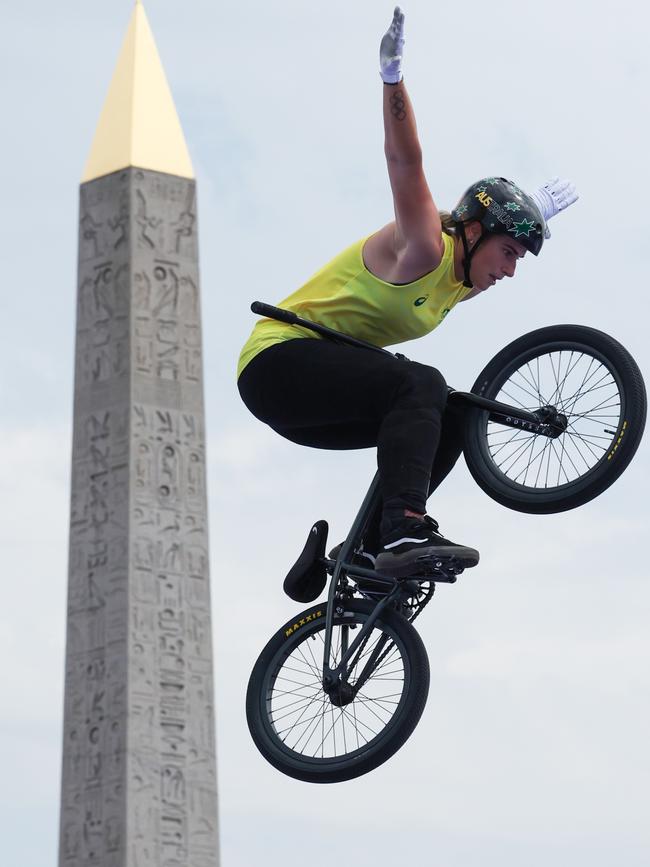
<point x="554" y="196"/>
<point x="390" y="50"/>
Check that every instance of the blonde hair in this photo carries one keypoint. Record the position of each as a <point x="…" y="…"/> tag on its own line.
<point x="449" y="226"/>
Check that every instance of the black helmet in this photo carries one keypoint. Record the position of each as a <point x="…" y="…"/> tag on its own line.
<point x="502" y="209"/>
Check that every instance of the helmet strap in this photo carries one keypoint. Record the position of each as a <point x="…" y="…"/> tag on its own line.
<point x="468" y="254"/>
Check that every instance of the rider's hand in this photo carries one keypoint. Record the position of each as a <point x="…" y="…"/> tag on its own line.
<point x="390" y="50"/>
<point x="554" y="196"/>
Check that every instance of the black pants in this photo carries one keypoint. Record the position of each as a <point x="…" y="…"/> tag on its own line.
<point x="331" y="396"/>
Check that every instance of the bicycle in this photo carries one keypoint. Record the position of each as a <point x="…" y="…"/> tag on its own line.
<point x="341" y="687"/>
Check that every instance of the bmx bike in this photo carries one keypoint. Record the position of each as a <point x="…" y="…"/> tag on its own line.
<point x="341" y="686"/>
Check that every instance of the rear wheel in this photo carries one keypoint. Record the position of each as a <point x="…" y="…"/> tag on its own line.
<point x="324" y="738"/>
<point x="585" y="376"/>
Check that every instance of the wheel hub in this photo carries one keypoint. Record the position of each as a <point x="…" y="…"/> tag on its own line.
<point x="556" y="421"/>
<point x="341" y="694"/>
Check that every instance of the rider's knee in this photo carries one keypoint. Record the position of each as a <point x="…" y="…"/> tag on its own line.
<point x="427" y="382"/>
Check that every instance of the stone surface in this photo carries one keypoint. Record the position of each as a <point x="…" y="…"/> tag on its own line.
<point x="139" y="766"/>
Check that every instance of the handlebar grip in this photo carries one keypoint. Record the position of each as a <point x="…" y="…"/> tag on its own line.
<point x="272" y="312"/>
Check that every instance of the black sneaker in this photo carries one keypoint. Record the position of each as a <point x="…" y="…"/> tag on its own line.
<point x="359" y="558"/>
<point x="369" y="587"/>
<point x="419" y="540"/>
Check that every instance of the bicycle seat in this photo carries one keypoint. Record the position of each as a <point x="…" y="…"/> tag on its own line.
<point x="306" y="579"/>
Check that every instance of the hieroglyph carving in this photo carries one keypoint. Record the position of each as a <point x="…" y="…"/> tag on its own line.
<point x="139" y="715"/>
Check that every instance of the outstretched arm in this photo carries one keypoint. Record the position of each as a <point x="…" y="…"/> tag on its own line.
<point x="412" y="245"/>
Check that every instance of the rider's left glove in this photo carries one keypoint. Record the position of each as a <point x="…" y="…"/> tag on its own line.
<point x="390" y="50"/>
<point x="554" y="196"/>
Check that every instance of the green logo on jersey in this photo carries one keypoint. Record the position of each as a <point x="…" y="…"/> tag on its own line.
<point x="420" y="301"/>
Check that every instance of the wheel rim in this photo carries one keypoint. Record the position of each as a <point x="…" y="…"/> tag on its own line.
<point x="302" y="718"/>
<point x="581" y="385"/>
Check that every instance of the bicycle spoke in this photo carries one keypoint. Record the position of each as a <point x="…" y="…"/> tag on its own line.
<point x="577" y="471"/>
<point x="308" y="701"/>
<point x="581" y="392"/>
<point x="583" y="389"/>
<point x="309" y="722"/>
<point x="535" y="382"/>
<point x="516" y="400"/>
<point x="514" y="456"/>
<point x="354" y="724"/>
<point x="312" y="725"/>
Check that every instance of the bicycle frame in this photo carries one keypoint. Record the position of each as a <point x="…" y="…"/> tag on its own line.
<point x="332" y="677"/>
<point x="395" y="590"/>
<point x="543" y="423"/>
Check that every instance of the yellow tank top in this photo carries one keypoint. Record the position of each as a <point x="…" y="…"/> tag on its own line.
<point x="344" y="295"/>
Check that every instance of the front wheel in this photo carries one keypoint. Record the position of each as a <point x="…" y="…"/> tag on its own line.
<point x="576" y="371"/>
<point x="321" y="738"/>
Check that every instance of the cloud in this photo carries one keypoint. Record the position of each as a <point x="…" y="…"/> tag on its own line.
<point x="614" y="664"/>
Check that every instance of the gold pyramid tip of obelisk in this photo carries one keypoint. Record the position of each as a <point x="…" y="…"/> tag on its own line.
<point x="138" y="125"/>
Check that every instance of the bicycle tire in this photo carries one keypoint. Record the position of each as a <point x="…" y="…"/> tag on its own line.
<point x="609" y="444"/>
<point x="268" y="707"/>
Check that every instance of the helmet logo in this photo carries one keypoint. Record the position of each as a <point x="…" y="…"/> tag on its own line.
<point x="496" y="209"/>
<point x="525" y="227"/>
<point x="512" y="206"/>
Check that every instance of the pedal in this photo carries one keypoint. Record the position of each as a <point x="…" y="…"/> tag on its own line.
<point x="443" y="569"/>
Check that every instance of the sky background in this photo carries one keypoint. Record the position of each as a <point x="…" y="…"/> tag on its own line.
<point x="533" y="748"/>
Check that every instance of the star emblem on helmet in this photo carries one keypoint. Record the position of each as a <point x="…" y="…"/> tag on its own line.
<point x="491" y="180"/>
<point x="481" y="189"/>
<point x="460" y="211"/>
<point x="512" y="206"/>
<point x="524" y="227"/>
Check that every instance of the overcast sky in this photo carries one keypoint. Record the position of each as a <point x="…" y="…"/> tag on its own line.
<point x="533" y="747"/>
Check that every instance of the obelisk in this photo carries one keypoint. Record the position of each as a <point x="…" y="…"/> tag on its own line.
<point x="139" y="767"/>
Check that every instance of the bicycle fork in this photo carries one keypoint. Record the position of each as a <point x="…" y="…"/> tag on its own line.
<point x="335" y="680"/>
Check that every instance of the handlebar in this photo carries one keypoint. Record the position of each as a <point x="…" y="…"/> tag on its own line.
<point x="272" y="312"/>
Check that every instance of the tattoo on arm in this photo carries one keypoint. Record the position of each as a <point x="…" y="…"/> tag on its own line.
<point x="398" y="106"/>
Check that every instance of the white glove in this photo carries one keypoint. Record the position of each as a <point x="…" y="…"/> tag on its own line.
<point x="554" y="196"/>
<point x="390" y="50"/>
